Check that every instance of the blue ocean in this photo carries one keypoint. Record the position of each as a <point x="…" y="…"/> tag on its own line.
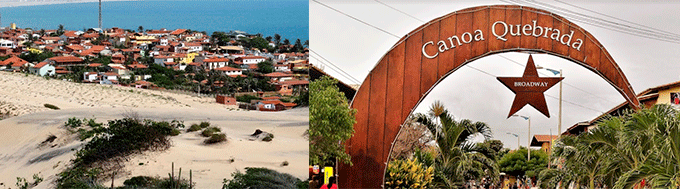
<point x="288" y="18"/>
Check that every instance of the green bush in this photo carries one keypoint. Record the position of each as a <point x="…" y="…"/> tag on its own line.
<point x="268" y="138"/>
<point x="73" y="123"/>
<point x="209" y="131"/>
<point x="204" y="124"/>
<point x="194" y="127"/>
<point x="216" y="138"/>
<point x="261" y="178"/>
<point x="175" y="132"/>
<point x="50" y="106"/>
<point x="139" y="181"/>
<point x="247" y="98"/>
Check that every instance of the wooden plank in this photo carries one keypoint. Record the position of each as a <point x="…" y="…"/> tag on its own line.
<point x="480" y="22"/>
<point x="356" y="146"/>
<point x="496" y="13"/>
<point x="395" y="87"/>
<point x="376" y="121"/>
<point x="561" y="26"/>
<point x="447" y="29"/>
<point x="577" y="54"/>
<point x="513" y="18"/>
<point x="545" y="21"/>
<point x="412" y="66"/>
<point x="464" y="51"/>
<point x="592" y="52"/>
<point x="429" y="65"/>
<point x="528" y="17"/>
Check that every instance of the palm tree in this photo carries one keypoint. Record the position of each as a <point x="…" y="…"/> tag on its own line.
<point x="277" y="39"/>
<point x="456" y="157"/>
<point x="623" y="152"/>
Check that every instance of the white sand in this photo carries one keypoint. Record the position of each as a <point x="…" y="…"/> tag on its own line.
<point x="16" y="3"/>
<point x="21" y="154"/>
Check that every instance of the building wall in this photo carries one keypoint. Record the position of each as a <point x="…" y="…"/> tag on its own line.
<point x="665" y="95"/>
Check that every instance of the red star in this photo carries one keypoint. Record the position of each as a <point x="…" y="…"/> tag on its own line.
<point x="529" y="89"/>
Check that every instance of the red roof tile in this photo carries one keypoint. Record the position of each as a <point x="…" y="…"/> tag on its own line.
<point x="227" y="68"/>
<point x="40" y="65"/>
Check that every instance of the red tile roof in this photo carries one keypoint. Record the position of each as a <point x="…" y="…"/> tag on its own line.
<point x="278" y="74"/>
<point x="14" y="61"/>
<point x="216" y="60"/>
<point x="110" y="74"/>
<point x="66" y="59"/>
<point x="94" y="65"/>
<point x="227" y="68"/>
<point x="40" y="65"/>
<point x="140" y="66"/>
<point x="295" y="82"/>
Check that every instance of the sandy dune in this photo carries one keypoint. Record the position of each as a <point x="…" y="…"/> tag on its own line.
<point x="22" y="155"/>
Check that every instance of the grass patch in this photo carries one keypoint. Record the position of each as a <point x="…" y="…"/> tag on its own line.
<point x="216" y="138"/>
<point x="262" y="178"/>
<point x="50" y="106"/>
<point x="103" y="156"/>
<point x="207" y="132"/>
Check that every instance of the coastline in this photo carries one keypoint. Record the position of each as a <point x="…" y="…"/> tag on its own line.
<point x="23" y="4"/>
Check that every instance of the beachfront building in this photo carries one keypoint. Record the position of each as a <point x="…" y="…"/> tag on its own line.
<point x="42" y="69"/>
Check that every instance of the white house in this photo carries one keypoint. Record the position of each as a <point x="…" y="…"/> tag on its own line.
<point x="161" y="60"/>
<point x="194" y="47"/>
<point x="42" y="69"/>
<point x="7" y="44"/>
<point x="251" y="59"/>
<point x="109" y="78"/>
<point x="214" y="63"/>
<point x="90" y="77"/>
<point x="230" y="71"/>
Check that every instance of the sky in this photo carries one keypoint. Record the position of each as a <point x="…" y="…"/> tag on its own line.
<point x="356" y="47"/>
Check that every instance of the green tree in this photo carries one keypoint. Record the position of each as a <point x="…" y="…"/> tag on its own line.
<point x="298" y="46"/>
<point x="259" y="43"/>
<point x="515" y="162"/>
<point x="457" y="159"/>
<point x="265" y="67"/>
<point x="623" y="151"/>
<point x="60" y="30"/>
<point x="331" y="122"/>
<point x="140" y="29"/>
<point x="277" y="39"/>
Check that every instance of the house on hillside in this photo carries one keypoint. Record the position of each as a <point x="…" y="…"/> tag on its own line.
<point x="43" y="69"/>
<point x="250" y="59"/>
<point x="65" y="60"/>
<point x="229" y="71"/>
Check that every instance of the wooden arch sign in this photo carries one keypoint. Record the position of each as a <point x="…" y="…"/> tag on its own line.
<point x="424" y="57"/>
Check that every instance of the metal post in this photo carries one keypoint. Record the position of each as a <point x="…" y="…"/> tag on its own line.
<point x="529" y="145"/>
<point x="559" y="123"/>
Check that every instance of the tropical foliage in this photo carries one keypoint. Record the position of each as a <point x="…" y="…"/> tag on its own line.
<point x="637" y="149"/>
<point x="331" y="122"/>
<point x="408" y="174"/>
<point x="455" y="158"/>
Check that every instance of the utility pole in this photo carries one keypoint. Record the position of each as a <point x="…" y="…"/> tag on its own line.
<point x="100" y="14"/>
